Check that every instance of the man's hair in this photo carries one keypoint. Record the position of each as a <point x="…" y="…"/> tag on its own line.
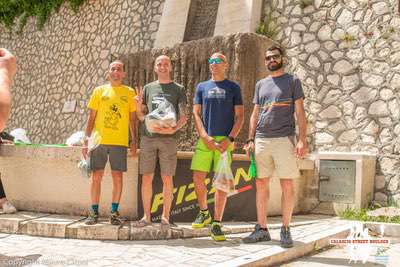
<point x="120" y="62"/>
<point x="220" y="55"/>
<point x="276" y="47"/>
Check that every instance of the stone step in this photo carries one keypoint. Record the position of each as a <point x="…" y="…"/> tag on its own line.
<point x="73" y="227"/>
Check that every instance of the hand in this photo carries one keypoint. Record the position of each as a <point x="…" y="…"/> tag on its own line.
<point x="8" y="63"/>
<point x="210" y="143"/>
<point x="301" y="149"/>
<point x="85" y="151"/>
<point x="133" y="150"/>
<point x="249" y="147"/>
<point x="139" y="96"/>
<point x="224" y="144"/>
<point x="164" y="130"/>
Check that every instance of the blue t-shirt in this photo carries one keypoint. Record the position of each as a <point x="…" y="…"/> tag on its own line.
<point x="276" y="97"/>
<point x="218" y="101"/>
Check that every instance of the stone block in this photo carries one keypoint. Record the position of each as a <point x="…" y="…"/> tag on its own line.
<point x="17" y="222"/>
<point x="51" y="226"/>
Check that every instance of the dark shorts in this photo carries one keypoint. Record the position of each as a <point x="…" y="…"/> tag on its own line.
<point x="163" y="148"/>
<point x="117" y="155"/>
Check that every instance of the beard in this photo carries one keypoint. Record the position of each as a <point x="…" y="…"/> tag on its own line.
<point x="274" y="67"/>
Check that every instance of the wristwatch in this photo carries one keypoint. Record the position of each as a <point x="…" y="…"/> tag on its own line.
<point x="231" y="138"/>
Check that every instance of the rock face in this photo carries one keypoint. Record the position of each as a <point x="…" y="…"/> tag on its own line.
<point x="358" y="56"/>
<point x="243" y="51"/>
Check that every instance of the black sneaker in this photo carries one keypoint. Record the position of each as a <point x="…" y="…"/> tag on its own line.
<point x="202" y="219"/>
<point x="258" y="235"/>
<point x="92" y="218"/>
<point x="286" y="237"/>
<point x="216" y="232"/>
<point x="115" y="219"/>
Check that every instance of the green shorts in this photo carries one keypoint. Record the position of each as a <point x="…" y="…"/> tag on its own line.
<point x="204" y="158"/>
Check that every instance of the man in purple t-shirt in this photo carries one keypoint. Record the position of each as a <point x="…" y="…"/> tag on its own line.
<point x="271" y="136"/>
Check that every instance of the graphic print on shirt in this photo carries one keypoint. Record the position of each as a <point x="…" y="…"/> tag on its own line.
<point x="112" y="117"/>
<point x="216" y="92"/>
<point x="284" y="102"/>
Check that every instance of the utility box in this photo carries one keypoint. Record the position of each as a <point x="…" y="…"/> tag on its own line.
<point x="346" y="179"/>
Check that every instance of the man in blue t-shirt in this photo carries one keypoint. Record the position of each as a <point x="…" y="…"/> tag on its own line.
<point x="218" y="116"/>
<point x="271" y="136"/>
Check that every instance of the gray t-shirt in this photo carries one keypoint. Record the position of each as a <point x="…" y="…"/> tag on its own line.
<point x="154" y="93"/>
<point x="276" y="97"/>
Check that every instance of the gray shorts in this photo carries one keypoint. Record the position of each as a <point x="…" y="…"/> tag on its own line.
<point x="117" y="155"/>
<point x="162" y="147"/>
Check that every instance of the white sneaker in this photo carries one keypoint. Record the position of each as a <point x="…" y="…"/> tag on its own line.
<point x="8" y="207"/>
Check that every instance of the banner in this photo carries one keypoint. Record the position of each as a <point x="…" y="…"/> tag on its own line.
<point x="240" y="206"/>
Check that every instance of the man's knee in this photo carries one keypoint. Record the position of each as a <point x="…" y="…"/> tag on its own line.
<point x="262" y="184"/>
<point x="167" y="181"/>
<point x="97" y="176"/>
<point x="199" y="177"/>
<point x="147" y="178"/>
<point x="287" y="185"/>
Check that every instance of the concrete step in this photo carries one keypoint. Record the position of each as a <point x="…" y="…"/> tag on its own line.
<point x="64" y="226"/>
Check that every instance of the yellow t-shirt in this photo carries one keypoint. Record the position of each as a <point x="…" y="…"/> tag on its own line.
<point x="113" y="106"/>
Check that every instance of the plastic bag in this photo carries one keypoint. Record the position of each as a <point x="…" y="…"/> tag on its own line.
<point x="84" y="164"/>
<point x="164" y="116"/>
<point x="75" y="139"/>
<point x="223" y="178"/>
<point x="20" y="136"/>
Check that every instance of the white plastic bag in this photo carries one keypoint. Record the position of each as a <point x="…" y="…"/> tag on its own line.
<point x="164" y="116"/>
<point x="84" y="164"/>
<point x="20" y="136"/>
<point x="75" y="139"/>
<point x="223" y="178"/>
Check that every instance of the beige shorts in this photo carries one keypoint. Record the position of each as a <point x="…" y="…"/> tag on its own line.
<point x="275" y="158"/>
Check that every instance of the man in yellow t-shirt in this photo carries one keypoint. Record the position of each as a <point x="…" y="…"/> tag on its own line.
<point x="112" y="113"/>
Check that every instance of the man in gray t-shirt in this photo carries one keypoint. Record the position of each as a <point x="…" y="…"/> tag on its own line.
<point x="271" y="136"/>
<point x="160" y="143"/>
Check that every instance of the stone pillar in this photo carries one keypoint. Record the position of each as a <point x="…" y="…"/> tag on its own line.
<point x="237" y="16"/>
<point x="173" y="23"/>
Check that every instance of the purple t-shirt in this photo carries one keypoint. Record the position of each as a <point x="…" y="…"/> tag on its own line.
<point x="276" y="97"/>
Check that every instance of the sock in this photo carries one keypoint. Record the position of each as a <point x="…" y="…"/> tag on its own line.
<point x="95" y="208"/>
<point x="114" y="207"/>
<point x="265" y="229"/>
<point x="215" y="221"/>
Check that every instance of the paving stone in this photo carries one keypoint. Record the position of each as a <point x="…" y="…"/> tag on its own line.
<point x="17" y="223"/>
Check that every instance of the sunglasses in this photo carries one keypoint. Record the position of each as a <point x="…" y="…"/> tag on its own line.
<point x="216" y="60"/>
<point x="274" y="57"/>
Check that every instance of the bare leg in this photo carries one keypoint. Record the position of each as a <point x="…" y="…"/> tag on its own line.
<point x="95" y="188"/>
<point x="220" y="201"/>
<point x="147" y="193"/>
<point x="262" y="199"/>
<point x="287" y="200"/>
<point x="117" y="186"/>
<point x="200" y="188"/>
<point x="168" y="187"/>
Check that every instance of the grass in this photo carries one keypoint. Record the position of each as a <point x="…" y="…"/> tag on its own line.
<point x="361" y="215"/>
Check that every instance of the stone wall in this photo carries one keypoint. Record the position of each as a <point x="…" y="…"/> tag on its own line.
<point x="347" y="54"/>
<point x="69" y="58"/>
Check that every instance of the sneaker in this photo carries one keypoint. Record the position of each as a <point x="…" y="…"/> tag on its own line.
<point x="258" y="235"/>
<point x="286" y="237"/>
<point x="115" y="219"/>
<point x="92" y="218"/>
<point x="8" y="207"/>
<point x="202" y="219"/>
<point x="216" y="232"/>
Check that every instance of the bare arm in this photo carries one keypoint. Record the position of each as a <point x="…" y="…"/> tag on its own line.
<point x="183" y="117"/>
<point x="239" y="119"/>
<point x="88" y="130"/>
<point x="8" y="69"/>
<point x="132" y="128"/>
<point x="301" y="147"/>
<point x="208" y="140"/>
<point x="252" y="129"/>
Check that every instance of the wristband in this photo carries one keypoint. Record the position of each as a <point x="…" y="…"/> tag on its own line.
<point x="231" y="138"/>
<point x="249" y="140"/>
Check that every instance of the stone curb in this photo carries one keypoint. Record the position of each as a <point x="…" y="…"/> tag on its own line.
<point x="276" y="255"/>
<point x="73" y="227"/>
